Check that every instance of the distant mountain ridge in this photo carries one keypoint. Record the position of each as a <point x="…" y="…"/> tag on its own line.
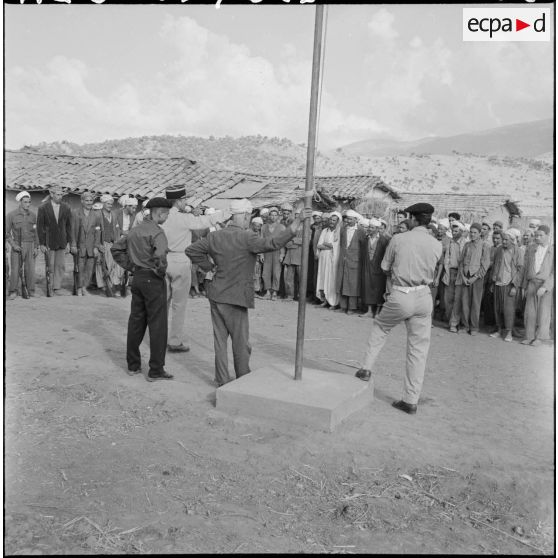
<point x="526" y="139"/>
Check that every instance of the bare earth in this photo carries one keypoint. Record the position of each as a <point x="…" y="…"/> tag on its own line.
<point x="97" y="461"/>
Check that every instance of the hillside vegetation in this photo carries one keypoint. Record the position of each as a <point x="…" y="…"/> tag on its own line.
<point x="522" y="178"/>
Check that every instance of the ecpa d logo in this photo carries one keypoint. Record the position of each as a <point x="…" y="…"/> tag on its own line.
<point x="506" y="24"/>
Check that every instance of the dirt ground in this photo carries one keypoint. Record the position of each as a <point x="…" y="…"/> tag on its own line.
<point x="98" y="462"/>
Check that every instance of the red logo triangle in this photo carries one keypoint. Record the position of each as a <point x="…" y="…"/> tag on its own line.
<point x="519" y="25"/>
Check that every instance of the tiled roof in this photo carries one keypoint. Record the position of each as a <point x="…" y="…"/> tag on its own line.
<point x="461" y="203"/>
<point x="145" y="177"/>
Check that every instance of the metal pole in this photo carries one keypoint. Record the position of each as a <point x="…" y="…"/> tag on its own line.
<point x="309" y="187"/>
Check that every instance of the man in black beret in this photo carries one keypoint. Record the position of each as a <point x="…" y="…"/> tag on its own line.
<point x="144" y="253"/>
<point x="410" y="263"/>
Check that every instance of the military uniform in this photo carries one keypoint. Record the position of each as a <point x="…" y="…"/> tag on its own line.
<point x="410" y="260"/>
<point x="21" y="230"/>
<point x="231" y="292"/>
<point x="144" y="252"/>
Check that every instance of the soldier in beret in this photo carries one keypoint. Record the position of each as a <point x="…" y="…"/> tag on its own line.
<point x="410" y="261"/>
<point x="144" y="252"/>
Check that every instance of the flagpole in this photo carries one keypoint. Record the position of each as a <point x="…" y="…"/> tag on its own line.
<point x="309" y="187"/>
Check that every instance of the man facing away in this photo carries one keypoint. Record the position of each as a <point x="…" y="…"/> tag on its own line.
<point x="144" y="252"/>
<point x="410" y="260"/>
<point x="21" y="235"/>
<point x="234" y="250"/>
<point x="178" y="230"/>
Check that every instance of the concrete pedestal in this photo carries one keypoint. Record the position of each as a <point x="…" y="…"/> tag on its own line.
<point x="320" y="400"/>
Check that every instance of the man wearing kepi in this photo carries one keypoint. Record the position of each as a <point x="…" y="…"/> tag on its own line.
<point x="410" y="260"/>
<point x="178" y="230"/>
<point x="231" y="293"/>
<point x="144" y="252"/>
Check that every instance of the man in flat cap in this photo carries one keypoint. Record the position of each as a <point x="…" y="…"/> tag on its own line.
<point x="233" y="251"/>
<point x="54" y="227"/>
<point x="86" y="240"/>
<point x="178" y="229"/>
<point x="271" y="273"/>
<point x="473" y="266"/>
<point x="21" y="235"/>
<point x="410" y="261"/>
<point x="110" y="232"/>
<point x="144" y="252"/>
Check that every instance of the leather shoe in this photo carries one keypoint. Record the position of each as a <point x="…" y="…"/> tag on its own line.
<point x="406" y="407"/>
<point x="162" y="376"/>
<point x="133" y="370"/>
<point x="363" y="374"/>
<point x="178" y="348"/>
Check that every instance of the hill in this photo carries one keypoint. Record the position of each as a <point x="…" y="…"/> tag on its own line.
<point x="527" y="139"/>
<point x="523" y="179"/>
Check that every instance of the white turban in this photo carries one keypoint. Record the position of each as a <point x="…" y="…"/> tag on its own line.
<point x="444" y="222"/>
<point x="535" y="222"/>
<point x="122" y="200"/>
<point x="513" y="232"/>
<point x="375" y="222"/>
<point x="467" y="226"/>
<point x="364" y="222"/>
<point x="337" y="214"/>
<point x="326" y="215"/>
<point x="382" y="222"/>
<point x="264" y="211"/>
<point x="97" y="205"/>
<point x="352" y="213"/>
<point x="210" y="211"/>
<point x="240" y="206"/>
<point x="132" y="201"/>
<point x="257" y="220"/>
<point x="316" y="213"/>
<point x="105" y="198"/>
<point x="459" y="225"/>
<point x="273" y="209"/>
<point x="22" y="195"/>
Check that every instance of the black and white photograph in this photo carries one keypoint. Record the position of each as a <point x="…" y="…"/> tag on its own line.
<point x="279" y="277"/>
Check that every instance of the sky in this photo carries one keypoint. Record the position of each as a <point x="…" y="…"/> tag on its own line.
<point x="88" y="73"/>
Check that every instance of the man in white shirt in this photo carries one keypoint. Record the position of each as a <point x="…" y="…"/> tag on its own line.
<point x="178" y="229"/>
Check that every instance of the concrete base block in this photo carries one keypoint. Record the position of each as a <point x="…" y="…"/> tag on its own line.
<point x="320" y="400"/>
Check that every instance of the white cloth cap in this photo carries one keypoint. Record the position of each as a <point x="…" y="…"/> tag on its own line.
<point x="105" y="198"/>
<point x="444" y="222"/>
<point x="375" y="222"/>
<point x="22" y="195"/>
<point x="122" y="200"/>
<point x="315" y="213"/>
<point x="264" y="211"/>
<point x="364" y="222"/>
<point x="337" y="214"/>
<point x="535" y="222"/>
<point x="210" y="211"/>
<point x="516" y="233"/>
<point x="132" y="201"/>
<point x="257" y="220"/>
<point x="97" y="205"/>
<point x="240" y="206"/>
<point x="352" y="213"/>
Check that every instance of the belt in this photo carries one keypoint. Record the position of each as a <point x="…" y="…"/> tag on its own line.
<point x="143" y="270"/>
<point x="408" y="289"/>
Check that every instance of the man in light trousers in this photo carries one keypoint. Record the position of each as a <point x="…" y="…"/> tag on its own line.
<point x="178" y="229"/>
<point x="410" y="260"/>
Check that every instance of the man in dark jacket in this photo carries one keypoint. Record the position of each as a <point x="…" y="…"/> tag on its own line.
<point x="231" y="292"/>
<point x="54" y="227"/>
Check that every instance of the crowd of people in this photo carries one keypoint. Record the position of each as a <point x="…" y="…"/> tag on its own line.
<point x="502" y="277"/>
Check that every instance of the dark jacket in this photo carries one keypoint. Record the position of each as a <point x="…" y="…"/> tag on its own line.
<point x="348" y="265"/>
<point x="59" y="233"/>
<point x="234" y="252"/>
